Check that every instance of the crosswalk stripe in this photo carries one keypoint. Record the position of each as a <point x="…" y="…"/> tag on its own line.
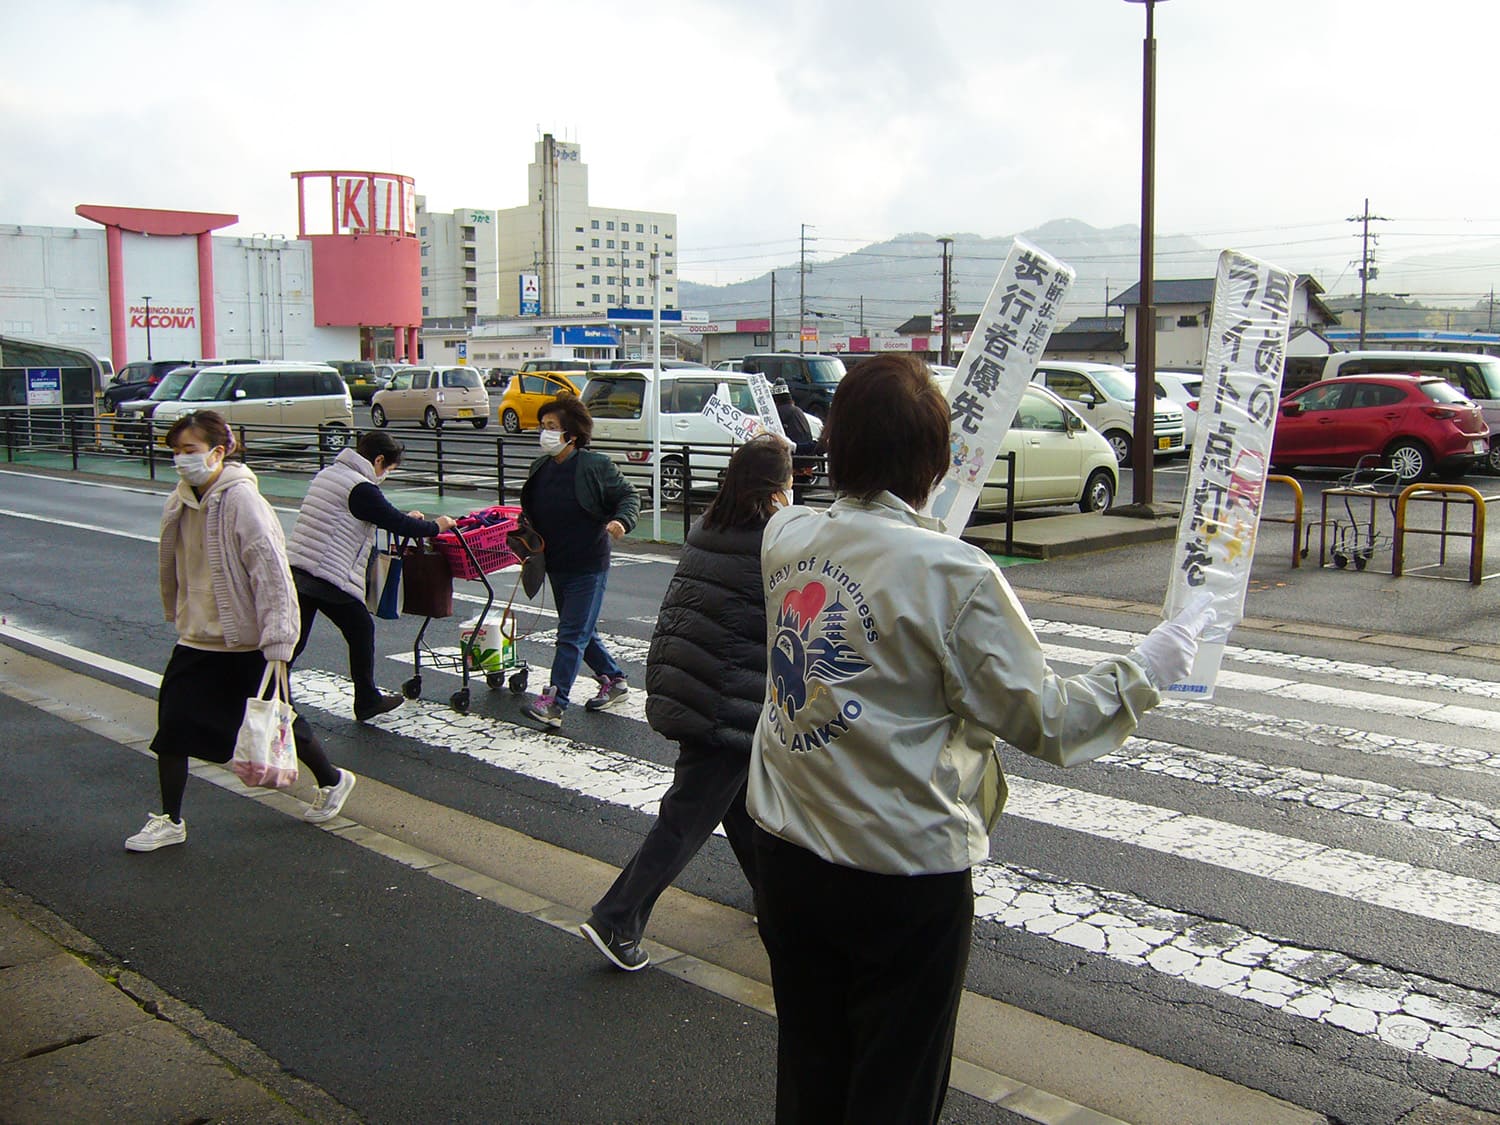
<point x="1323" y="695"/>
<point x="1391" y="884"/>
<point x="1405" y="1010"/>
<point x="1409" y="1011"/>
<point x="1296" y="662"/>
<point x="1439" y="896"/>
<point x="1457" y="819"/>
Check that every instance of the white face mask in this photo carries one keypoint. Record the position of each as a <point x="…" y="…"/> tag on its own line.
<point x="552" y="441"/>
<point x="195" y="468"/>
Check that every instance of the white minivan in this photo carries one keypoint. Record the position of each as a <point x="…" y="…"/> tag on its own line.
<point x="1476" y="377"/>
<point x="285" y="397"/>
<point x="616" y="400"/>
<point x="1105" y="396"/>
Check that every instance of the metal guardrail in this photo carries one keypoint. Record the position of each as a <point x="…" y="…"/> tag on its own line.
<point x="453" y="461"/>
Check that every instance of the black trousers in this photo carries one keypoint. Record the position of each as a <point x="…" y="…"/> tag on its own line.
<point x="868" y="970"/>
<point x="708" y="788"/>
<point x="353" y="620"/>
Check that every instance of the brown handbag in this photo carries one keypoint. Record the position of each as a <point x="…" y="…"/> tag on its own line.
<point x="426" y="582"/>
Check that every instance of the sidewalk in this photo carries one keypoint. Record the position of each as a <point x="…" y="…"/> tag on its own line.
<point x="86" y="1039"/>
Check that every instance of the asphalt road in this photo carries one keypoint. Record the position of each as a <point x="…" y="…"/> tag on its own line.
<point x="1290" y="888"/>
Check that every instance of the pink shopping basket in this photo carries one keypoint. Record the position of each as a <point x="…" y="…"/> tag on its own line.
<point x="484" y="531"/>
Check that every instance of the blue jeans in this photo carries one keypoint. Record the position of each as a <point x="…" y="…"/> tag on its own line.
<point x="579" y="599"/>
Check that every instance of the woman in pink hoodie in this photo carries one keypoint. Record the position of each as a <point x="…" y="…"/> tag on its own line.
<point x="226" y="586"/>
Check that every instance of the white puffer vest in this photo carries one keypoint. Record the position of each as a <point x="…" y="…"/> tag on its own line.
<point x="327" y="541"/>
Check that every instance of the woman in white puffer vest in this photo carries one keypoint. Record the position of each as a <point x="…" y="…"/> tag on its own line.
<point x="330" y="550"/>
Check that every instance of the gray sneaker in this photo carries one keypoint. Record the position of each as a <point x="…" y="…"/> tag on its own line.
<point x="545" y="709"/>
<point x="612" y="689"/>
<point x="627" y="955"/>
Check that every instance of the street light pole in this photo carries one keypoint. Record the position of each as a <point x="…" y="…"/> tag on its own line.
<point x="1142" y="440"/>
<point x="148" y="328"/>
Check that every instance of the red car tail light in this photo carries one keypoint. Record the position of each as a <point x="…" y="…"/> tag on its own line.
<point x="1440" y="413"/>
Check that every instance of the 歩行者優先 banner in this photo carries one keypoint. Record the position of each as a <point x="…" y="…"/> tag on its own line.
<point x="997" y="363"/>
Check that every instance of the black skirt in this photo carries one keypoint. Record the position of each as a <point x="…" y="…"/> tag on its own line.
<point x="202" y="702"/>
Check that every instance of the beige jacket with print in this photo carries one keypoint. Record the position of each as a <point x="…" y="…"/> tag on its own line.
<point x="246" y="550"/>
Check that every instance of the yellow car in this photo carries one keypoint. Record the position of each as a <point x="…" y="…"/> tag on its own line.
<point x="529" y="391"/>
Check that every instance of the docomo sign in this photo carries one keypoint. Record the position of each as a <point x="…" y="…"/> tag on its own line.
<point x="164" y="316"/>
<point x="391" y="210"/>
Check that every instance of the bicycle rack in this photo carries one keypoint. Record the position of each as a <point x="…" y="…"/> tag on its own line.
<point x="1445" y="494"/>
<point x="1299" y="548"/>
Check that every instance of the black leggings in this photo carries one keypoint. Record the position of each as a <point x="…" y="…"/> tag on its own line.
<point x="172" y="769"/>
<point x="353" y="620"/>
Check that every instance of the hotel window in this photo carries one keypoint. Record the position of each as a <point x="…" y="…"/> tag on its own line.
<point x="609" y="225"/>
<point x="594" y="242"/>
<point x="594" y="224"/>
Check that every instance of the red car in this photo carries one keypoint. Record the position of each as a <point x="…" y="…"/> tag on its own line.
<point x="1413" y="424"/>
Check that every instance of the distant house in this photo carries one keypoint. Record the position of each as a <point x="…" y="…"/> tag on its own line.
<point x="1182" y="312"/>
<point x="1090" y="339"/>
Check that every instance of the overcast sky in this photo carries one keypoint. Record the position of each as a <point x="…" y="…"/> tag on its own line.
<point x="863" y="118"/>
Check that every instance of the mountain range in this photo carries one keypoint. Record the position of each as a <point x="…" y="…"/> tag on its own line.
<point x="882" y="285"/>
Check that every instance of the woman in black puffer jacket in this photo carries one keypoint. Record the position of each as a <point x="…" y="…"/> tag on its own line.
<point x="706" y="679"/>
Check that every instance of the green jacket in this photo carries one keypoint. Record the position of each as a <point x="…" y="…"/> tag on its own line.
<point x="603" y="493"/>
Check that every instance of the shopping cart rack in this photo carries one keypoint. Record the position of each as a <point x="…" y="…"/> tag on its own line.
<point x="475" y="548"/>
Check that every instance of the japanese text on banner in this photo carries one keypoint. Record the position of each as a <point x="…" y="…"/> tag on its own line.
<point x="997" y="363"/>
<point x="741" y="426"/>
<point x="765" y="404"/>
<point x="1247" y="339"/>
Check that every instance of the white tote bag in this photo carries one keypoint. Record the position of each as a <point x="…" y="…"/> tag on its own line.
<point x="265" y="753"/>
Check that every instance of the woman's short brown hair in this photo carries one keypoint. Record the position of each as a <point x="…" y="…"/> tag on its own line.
<point x="888" y="430"/>
<point x="572" y="416"/>
<point x="208" y="425"/>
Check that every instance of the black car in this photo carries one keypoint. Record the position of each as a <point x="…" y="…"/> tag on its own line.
<point x="137" y="380"/>
<point x="812" y="379"/>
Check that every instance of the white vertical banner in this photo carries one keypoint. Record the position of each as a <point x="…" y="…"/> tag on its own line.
<point x="1247" y="338"/>
<point x="997" y="363"/>
<point x="765" y="404"/>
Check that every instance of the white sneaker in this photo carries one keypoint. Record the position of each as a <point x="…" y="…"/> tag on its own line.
<point x="160" y="831"/>
<point x="329" y="800"/>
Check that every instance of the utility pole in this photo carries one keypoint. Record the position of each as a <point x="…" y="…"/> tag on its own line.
<point x="947" y="307"/>
<point x="862" y="310"/>
<point x="773" y="310"/>
<point x="802" y="293"/>
<point x="148" y="327"/>
<point x="1366" y="271"/>
<point x="1491" y="327"/>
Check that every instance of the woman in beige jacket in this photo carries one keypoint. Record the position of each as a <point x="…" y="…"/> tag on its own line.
<point x="226" y="586"/>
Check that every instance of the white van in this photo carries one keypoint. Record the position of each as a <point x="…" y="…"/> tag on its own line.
<point x="1105" y="396"/>
<point x="1476" y="377"/>
<point x="616" y="399"/>
<point x="303" y="396"/>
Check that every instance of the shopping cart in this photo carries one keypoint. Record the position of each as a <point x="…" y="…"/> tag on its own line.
<point x="1354" y="539"/>
<point x="475" y="548"/>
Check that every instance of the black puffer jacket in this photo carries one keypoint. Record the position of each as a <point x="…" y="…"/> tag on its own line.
<point x="706" y="672"/>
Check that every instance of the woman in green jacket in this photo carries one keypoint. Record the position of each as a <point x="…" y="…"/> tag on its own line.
<point x="580" y="503"/>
